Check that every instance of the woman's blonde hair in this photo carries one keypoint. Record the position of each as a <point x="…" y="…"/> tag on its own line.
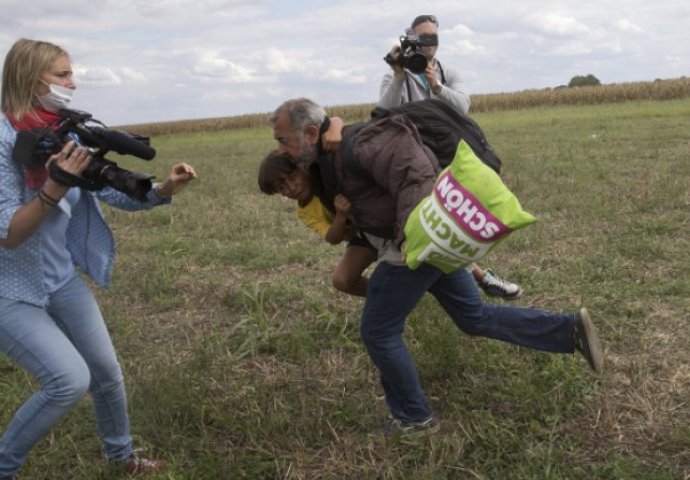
<point x="24" y="64"/>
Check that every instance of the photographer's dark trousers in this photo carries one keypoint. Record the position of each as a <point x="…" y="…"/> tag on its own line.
<point x="395" y="290"/>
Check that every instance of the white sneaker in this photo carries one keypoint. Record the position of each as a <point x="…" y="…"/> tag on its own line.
<point x="495" y="286"/>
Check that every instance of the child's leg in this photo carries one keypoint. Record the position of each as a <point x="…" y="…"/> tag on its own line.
<point x="347" y="276"/>
<point x="477" y="272"/>
<point x="493" y="285"/>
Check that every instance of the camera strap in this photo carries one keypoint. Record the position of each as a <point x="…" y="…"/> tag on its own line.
<point x="409" y="89"/>
<point x="67" y="179"/>
<point x="440" y="70"/>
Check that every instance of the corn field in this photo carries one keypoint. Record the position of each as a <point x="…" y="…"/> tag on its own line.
<point x="657" y="90"/>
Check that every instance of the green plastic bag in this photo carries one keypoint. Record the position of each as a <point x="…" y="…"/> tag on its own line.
<point x="468" y="213"/>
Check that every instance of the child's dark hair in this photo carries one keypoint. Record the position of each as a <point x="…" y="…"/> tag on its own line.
<point x="273" y="170"/>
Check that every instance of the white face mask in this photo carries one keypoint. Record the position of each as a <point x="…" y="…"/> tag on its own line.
<point x="58" y="97"/>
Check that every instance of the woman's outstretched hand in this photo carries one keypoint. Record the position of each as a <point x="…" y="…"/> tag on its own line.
<point x="178" y="178"/>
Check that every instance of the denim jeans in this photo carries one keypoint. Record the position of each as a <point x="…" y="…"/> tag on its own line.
<point x="67" y="348"/>
<point x="395" y="290"/>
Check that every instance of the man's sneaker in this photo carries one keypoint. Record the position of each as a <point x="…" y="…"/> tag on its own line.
<point x="397" y="427"/>
<point x="137" y="466"/>
<point x="587" y="342"/>
<point x="495" y="286"/>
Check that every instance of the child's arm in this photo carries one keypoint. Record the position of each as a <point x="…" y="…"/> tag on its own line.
<point x="339" y="228"/>
<point x="332" y="137"/>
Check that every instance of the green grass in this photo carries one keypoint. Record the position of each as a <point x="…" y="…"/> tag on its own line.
<point x="242" y="362"/>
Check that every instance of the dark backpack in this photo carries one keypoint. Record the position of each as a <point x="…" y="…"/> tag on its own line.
<point x="441" y="128"/>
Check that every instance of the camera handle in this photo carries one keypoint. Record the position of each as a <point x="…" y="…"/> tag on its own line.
<point x="68" y="180"/>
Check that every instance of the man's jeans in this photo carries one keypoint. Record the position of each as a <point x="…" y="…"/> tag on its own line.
<point x="66" y="347"/>
<point x="395" y="290"/>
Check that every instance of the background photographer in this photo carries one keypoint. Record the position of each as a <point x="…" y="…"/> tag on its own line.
<point x="50" y="323"/>
<point x="403" y="85"/>
<point x="400" y="85"/>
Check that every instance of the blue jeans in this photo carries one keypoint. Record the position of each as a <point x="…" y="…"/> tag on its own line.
<point x="395" y="290"/>
<point x="67" y="348"/>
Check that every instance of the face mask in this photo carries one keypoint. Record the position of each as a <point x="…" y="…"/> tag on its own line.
<point x="59" y="97"/>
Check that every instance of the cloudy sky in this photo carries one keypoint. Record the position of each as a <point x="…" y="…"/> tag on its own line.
<point x="140" y="61"/>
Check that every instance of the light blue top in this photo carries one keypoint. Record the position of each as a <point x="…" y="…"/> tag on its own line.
<point x="58" y="268"/>
<point x="88" y="239"/>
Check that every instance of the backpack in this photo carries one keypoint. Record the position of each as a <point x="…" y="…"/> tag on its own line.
<point x="441" y="128"/>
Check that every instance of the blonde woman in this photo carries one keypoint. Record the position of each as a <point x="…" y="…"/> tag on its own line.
<point x="50" y="322"/>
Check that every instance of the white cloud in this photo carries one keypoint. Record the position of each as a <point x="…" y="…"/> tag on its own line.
<point x="344" y="76"/>
<point x="228" y="96"/>
<point x="465" y="47"/>
<point x="625" y="25"/>
<point x="133" y="75"/>
<point x="572" y="49"/>
<point x="211" y="66"/>
<point x="243" y="56"/>
<point x="96" y="76"/>
<point x="197" y="13"/>
<point x="678" y="63"/>
<point x="276" y="60"/>
<point x="457" y="31"/>
<point x="556" y="23"/>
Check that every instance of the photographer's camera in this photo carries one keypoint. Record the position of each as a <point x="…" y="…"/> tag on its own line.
<point x="34" y="148"/>
<point x="411" y="55"/>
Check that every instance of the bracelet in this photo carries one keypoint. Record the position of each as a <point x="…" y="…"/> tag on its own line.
<point x="48" y="197"/>
<point x="46" y="200"/>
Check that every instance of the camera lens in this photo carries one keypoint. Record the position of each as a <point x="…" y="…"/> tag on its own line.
<point x="136" y="185"/>
<point x="416" y="62"/>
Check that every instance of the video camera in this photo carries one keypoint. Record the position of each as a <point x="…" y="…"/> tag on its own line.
<point x="411" y="55"/>
<point x="34" y="147"/>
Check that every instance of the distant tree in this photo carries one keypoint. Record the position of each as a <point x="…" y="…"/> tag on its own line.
<point x="582" y="81"/>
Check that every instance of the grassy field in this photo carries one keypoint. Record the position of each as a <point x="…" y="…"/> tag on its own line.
<point x="242" y="362"/>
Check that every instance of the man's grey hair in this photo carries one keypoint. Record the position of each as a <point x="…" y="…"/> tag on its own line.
<point x="302" y="113"/>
